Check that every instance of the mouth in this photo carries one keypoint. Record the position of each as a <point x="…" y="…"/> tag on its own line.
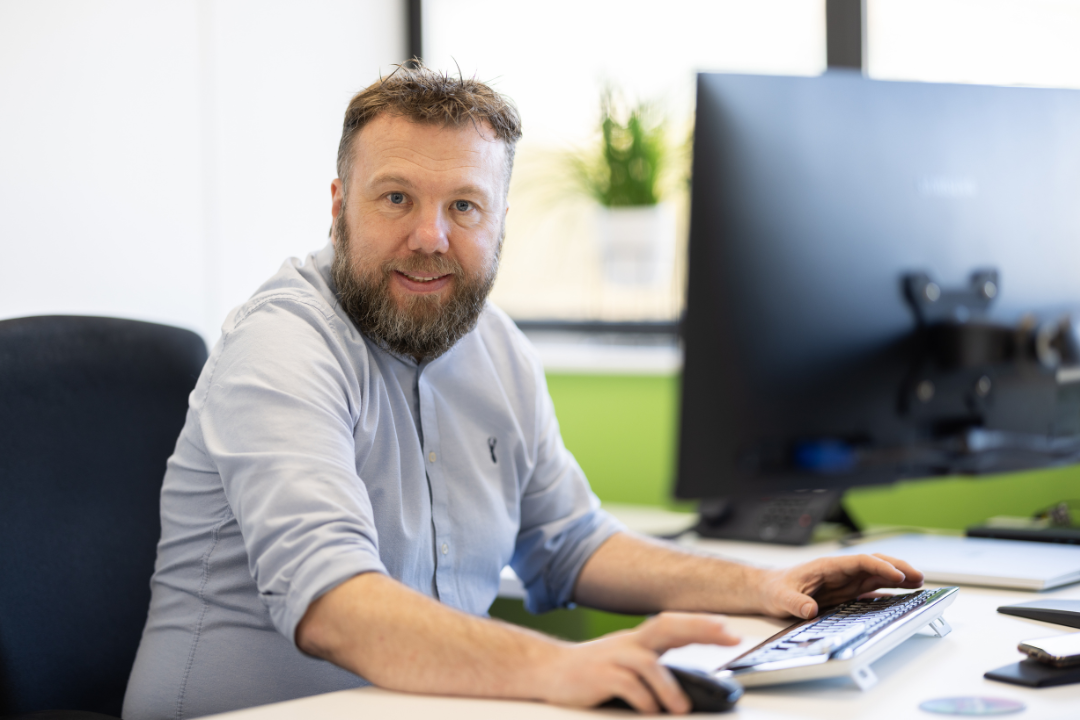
<point x="422" y="283"/>
<point x="421" y="278"/>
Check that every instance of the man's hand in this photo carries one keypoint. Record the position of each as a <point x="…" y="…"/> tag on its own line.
<point x="626" y="664"/>
<point x="638" y="575"/>
<point x="802" y="589"/>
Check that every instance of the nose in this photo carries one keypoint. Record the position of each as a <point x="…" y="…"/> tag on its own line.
<point x="431" y="234"/>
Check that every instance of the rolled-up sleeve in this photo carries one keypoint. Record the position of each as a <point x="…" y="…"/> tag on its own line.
<point x="278" y="422"/>
<point x="562" y="523"/>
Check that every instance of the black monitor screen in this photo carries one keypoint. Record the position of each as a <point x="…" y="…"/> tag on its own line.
<point x="883" y="279"/>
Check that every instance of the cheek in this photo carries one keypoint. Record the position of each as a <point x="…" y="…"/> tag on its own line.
<point x="482" y="244"/>
<point x="476" y="229"/>
<point x="371" y="240"/>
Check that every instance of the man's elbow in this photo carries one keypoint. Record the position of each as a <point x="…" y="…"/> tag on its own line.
<point x="314" y="635"/>
<point x="325" y="628"/>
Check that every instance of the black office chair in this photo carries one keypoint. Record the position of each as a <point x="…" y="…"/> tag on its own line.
<point x="90" y="409"/>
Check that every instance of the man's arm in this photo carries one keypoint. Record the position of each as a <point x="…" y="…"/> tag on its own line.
<point x="400" y="639"/>
<point x="634" y="574"/>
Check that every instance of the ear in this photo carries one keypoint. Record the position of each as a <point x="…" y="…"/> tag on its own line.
<point x="337" y="195"/>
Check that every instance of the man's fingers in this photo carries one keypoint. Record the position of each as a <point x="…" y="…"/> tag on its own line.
<point x="646" y="684"/>
<point x="628" y="663"/>
<point x="844" y="578"/>
<point x="877" y="566"/>
<point x="630" y="688"/>
<point x="800" y="605"/>
<point x="787" y="600"/>
<point x="661" y="682"/>
<point x="672" y="630"/>
<point x="880" y="571"/>
<point x="852" y="574"/>
<point x="912" y="577"/>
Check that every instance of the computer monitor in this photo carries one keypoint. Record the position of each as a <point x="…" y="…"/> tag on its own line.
<point x="881" y="276"/>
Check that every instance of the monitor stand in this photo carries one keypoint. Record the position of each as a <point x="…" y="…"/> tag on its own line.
<point x="782" y="518"/>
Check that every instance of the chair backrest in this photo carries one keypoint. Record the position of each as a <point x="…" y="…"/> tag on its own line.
<point x="90" y="409"/>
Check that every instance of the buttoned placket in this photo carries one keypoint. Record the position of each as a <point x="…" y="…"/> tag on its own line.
<point x="437" y="482"/>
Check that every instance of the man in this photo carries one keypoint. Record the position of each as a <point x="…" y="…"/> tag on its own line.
<point x="370" y="443"/>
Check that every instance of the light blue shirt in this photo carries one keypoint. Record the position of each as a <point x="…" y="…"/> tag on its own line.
<point x="309" y="456"/>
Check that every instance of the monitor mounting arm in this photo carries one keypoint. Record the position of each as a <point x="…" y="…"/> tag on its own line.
<point x="961" y="358"/>
<point x="954" y="333"/>
<point x="934" y="304"/>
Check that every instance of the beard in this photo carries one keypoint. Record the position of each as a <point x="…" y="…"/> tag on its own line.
<point x="421" y="326"/>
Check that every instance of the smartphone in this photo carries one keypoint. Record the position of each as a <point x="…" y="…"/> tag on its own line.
<point x="1059" y="650"/>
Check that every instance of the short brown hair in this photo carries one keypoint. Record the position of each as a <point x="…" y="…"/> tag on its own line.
<point x="426" y="96"/>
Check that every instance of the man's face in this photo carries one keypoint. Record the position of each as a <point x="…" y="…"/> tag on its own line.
<point x="417" y="231"/>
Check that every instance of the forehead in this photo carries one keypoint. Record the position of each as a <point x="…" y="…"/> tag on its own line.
<point x="396" y="145"/>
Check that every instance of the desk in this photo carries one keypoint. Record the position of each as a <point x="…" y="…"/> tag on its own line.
<point x="921" y="668"/>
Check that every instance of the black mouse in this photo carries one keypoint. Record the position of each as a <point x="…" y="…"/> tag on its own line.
<point x="707" y="693"/>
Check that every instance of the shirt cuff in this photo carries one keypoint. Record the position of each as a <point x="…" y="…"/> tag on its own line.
<point x="318" y="576"/>
<point x="554" y="587"/>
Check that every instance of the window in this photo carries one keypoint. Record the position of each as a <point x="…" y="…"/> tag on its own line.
<point x="999" y="42"/>
<point x="554" y="59"/>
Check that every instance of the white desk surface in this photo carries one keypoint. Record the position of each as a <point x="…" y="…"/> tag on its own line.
<point x="922" y="668"/>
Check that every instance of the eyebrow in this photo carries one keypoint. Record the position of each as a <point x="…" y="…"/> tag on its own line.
<point x="469" y="190"/>
<point x="391" y="180"/>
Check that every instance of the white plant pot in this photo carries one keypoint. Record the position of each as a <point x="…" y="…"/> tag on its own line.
<point x="637" y="244"/>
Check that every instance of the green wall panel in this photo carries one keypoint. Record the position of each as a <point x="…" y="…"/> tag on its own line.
<point x="621" y="429"/>
<point x="957" y="503"/>
<point x="577" y="625"/>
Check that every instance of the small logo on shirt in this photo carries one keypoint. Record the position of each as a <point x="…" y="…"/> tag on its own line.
<point x="491" y="447"/>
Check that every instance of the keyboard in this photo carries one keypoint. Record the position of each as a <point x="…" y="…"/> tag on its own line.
<point x="843" y="640"/>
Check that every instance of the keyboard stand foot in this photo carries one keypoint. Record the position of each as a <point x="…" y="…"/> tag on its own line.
<point x="864" y="678"/>
<point x="940" y="627"/>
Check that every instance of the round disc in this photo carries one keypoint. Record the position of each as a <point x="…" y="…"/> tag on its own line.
<point x="972" y="705"/>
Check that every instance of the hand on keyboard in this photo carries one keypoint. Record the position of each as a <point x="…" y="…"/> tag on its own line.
<point x="802" y="589"/>
<point x="845" y="626"/>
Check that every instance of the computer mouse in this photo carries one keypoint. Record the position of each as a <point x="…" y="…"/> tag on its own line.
<point x="707" y="693"/>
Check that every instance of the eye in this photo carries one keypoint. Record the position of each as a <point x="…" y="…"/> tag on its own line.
<point x="396" y="198"/>
<point x="462" y="205"/>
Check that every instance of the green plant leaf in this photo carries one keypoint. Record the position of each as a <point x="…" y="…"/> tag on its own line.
<point x="626" y="168"/>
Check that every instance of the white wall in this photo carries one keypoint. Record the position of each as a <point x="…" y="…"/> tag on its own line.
<point x="159" y="160"/>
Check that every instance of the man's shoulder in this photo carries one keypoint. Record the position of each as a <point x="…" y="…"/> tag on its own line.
<point x="299" y="285"/>
<point x="294" y="314"/>
<point x="300" y="302"/>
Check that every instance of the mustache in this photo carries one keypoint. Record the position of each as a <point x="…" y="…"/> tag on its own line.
<point x="424" y="265"/>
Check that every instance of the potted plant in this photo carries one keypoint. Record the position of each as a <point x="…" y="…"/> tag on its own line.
<point x="635" y="230"/>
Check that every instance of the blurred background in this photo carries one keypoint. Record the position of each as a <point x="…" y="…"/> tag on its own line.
<point x="159" y="160"/>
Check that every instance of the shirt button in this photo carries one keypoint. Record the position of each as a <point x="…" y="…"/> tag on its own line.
<point x="431" y="456"/>
<point x="445" y="548"/>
